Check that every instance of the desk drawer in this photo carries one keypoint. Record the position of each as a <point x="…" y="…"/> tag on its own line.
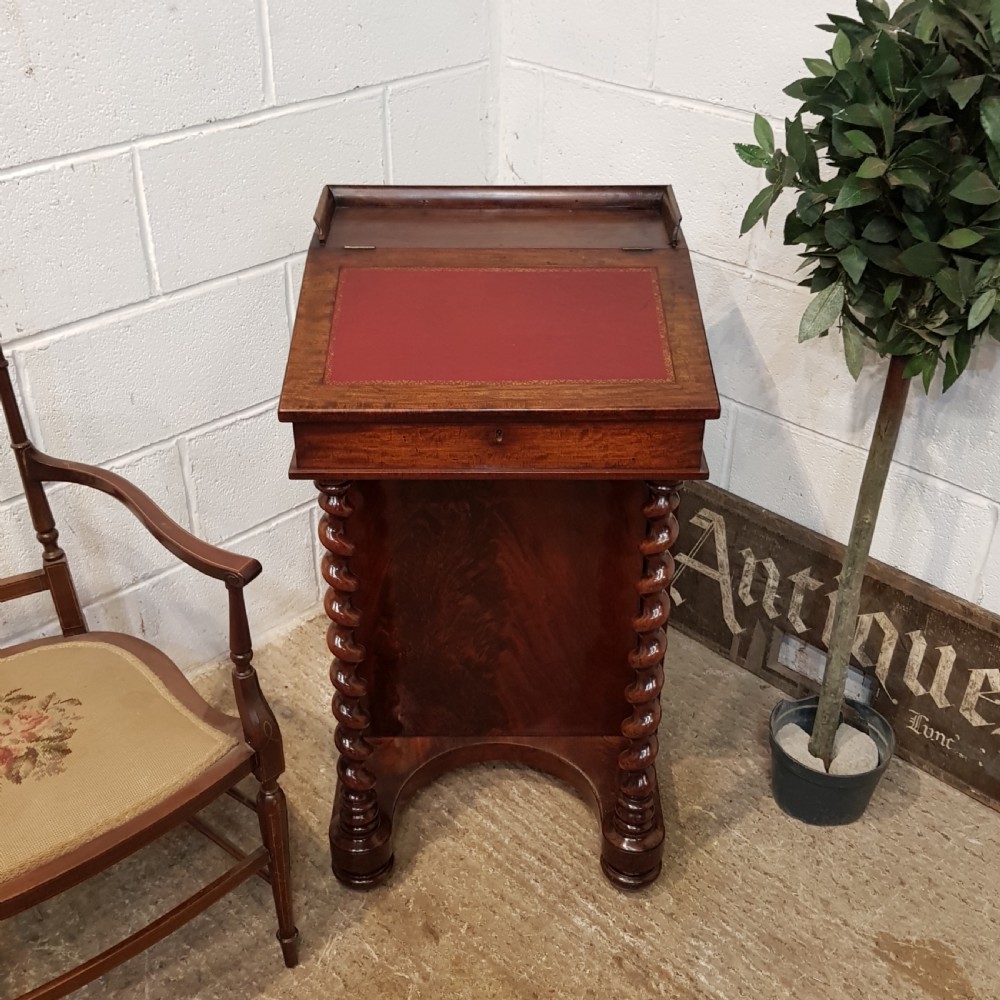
<point x="600" y="449"/>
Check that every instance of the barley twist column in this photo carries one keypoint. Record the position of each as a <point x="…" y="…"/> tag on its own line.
<point x="636" y="826"/>
<point x="359" y="833"/>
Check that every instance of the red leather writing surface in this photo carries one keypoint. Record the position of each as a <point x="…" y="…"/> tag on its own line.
<point x="497" y="325"/>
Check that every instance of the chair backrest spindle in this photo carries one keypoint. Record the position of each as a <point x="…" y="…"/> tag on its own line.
<point x="54" y="574"/>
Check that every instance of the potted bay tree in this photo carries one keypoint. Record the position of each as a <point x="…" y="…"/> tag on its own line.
<point x="895" y="158"/>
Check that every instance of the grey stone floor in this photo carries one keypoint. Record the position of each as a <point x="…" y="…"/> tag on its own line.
<point x="497" y="890"/>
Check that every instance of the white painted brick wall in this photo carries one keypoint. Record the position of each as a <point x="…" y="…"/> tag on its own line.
<point x="815" y="479"/>
<point x="454" y="105"/>
<point x="70" y="244"/>
<point x="239" y="473"/>
<point x="225" y="200"/>
<point x="81" y="76"/>
<point x="174" y="365"/>
<point x="159" y="171"/>
<point x="332" y="48"/>
<point x="605" y="41"/>
<point x="720" y="52"/>
<point x="587" y="94"/>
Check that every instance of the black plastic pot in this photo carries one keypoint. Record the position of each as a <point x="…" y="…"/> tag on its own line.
<point x="816" y="797"/>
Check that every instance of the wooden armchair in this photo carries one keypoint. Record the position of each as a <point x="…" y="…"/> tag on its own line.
<point x="105" y="745"/>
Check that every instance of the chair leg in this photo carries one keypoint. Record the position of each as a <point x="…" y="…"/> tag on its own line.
<point x="273" y="815"/>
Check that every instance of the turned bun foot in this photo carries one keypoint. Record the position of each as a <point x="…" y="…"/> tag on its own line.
<point x="364" y="880"/>
<point x="630" y="880"/>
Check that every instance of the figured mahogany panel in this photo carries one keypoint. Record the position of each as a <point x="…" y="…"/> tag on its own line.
<point x="497" y="607"/>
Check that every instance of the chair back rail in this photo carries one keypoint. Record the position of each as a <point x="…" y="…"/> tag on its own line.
<point x="54" y="574"/>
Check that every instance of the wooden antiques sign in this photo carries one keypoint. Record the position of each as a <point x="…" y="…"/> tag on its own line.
<point x="763" y="590"/>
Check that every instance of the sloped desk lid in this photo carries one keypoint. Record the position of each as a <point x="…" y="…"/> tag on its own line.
<point x="448" y="304"/>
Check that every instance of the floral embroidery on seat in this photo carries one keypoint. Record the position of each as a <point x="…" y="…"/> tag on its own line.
<point x="35" y="734"/>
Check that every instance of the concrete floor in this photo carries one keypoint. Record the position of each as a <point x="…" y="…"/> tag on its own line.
<point x="497" y="890"/>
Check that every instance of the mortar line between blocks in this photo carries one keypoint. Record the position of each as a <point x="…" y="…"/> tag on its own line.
<point x="728" y="448"/>
<point x="386" y="138"/>
<point x="233" y="541"/>
<point x="991" y="552"/>
<point x="654" y="37"/>
<point x="672" y="100"/>
<point x="145" y="229"/>
<point x="317" y="551"/>
<point x="289" y="298"/>
<point x="495" y="27"/>
<point x="134" y="309"/>
<point x="540" y="118"/>
<point x="924" y="477"/>
<point x="24" y="386"/>
<point x="187" y="477"/>
<point x="136" y="454"/>
<point x="145" y="142"/>
<point x="266" y="57"/>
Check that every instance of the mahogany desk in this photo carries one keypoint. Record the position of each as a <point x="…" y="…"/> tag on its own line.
<point x="497" y="391"/>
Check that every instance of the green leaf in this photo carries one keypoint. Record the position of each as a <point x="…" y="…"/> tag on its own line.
<point x="982" y="307"/>
<point x="872" y="167"/>
<point x="764" y="133"/>
<point x="841" y="51"/>
<point x="915" y="365"/>
<point x="907" y="177"/>
<point x="838" y="231"/>
<point x="820" y="67"/>
<point x="995" y="19"/>
<point x="925" y="122"/>
<point x="854" y="349"/>
<point x="966" y="276"/>
<point x="951" y="373"/>
<point x="962" y="91"/>
<point x="855" y="192"/>
<point x="887" y="65"/>
<point x="886" y="119"/>
<point x="926" y="23"/>
<point x="918" y="227"/>
<point x="822" y="312"/>
<point x="853" y="261"/>
<point x="758" y="209"/>
<point x="960" y="239"/>
<point x="810" y="207"/>
<point x="753" y="155"/>
<point x="858" y="114"/>
<point x="873" y="13"/>
<point x="801" y="149"/>
<point x="948" y="281"/>
<point x="861" y="142"/>
<point x="929" y="370"/>
<point x="892" y="293"/>
<point x="923" y="259"/>
<point x="963" y="351"/>
<point x="989" y="112"/>
<point x="880" y="230"/>
<point x="977" y="189"/>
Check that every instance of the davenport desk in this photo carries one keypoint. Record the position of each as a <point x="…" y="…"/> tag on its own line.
<point x="497" y="392"/>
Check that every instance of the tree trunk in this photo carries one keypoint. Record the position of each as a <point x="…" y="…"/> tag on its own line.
<point x="852" y="574"/>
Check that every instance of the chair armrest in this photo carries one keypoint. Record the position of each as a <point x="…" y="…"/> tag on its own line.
<point x="208" y="559"/>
